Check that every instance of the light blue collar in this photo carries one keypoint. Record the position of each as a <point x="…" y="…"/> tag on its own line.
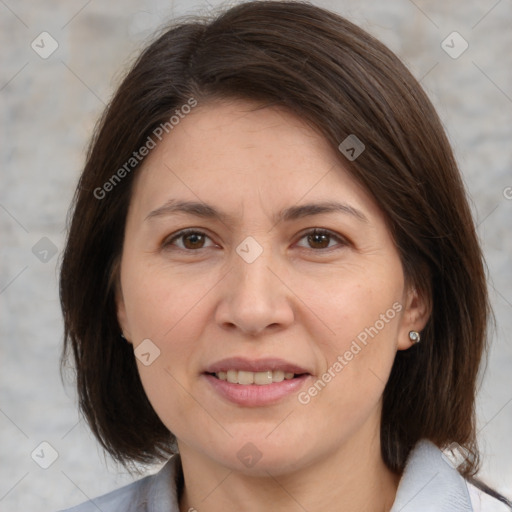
<point x="429" y="484"/>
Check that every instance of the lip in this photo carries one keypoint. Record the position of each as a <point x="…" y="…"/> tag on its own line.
<point x="254" y="395"/>
<point x="254" y="365"/>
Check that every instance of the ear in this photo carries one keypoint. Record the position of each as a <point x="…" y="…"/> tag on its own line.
<point x="417" y="310"/>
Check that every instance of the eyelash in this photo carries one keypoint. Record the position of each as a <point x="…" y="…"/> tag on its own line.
<point x="168" y="242"/>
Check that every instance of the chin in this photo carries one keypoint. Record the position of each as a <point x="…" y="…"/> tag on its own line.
<point x="262" y="457"/>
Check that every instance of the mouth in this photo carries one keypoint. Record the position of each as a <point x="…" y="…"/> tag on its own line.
<point x="252" y="383"/>
<point x="258" y="378"/>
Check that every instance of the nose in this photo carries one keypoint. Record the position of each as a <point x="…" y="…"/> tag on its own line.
<point x="254" y="298"/>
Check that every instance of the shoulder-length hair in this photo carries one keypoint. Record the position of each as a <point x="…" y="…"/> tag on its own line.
<point x="343" y="82"/>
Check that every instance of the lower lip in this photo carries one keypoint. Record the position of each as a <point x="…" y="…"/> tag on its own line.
<point x="253" y="395"/>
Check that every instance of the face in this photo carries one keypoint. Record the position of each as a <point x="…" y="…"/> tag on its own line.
<point x="262" y="291"/>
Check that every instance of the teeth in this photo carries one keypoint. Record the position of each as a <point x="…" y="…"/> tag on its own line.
<point x="258" y="378"/>
<point x="245" y="377"/>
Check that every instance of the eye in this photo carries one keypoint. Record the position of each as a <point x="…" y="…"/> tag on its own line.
<point x="322" y="239"/>
<point x="188" y="240"/>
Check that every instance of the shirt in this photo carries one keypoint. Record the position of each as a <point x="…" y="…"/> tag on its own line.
<point x="429" y="483"/>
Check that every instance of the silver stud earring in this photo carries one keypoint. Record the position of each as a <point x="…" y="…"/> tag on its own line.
<point x="414" y="336"/>
<point x="122" y="336"/>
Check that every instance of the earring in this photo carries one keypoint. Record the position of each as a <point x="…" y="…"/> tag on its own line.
<point x="414" y="336"/>
<point x="122" y="336"/>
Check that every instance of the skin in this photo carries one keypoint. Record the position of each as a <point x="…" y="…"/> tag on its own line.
<point x="303" y="300"/>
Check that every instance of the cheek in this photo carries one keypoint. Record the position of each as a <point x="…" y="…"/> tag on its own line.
<point x="161" y="302"/>
<point x="350" y="300"/>
<point x="168" y="309"/>
<point x="359" y="315"/>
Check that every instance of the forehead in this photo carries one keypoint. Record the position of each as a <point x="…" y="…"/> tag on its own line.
<point x="237" y="154"/>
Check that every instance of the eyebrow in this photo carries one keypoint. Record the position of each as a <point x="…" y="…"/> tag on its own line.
<point x="200" y="209"/>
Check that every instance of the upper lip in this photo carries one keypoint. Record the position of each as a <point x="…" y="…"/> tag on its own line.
<point x="254" y="365"/>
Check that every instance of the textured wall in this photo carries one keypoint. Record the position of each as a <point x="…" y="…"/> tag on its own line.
<point x="49" y="106"/>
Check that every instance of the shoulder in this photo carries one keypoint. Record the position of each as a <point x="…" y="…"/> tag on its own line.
<point x="152" y="493"/>
<point x="431" y="483"/>
<point x="120" y="499"/>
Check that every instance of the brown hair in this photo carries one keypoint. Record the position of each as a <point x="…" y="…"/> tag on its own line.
<point x="342" y="81"/>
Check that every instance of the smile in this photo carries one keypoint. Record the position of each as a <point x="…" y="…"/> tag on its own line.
<point x="255" y="382"/>
<point x="259" y="378"/>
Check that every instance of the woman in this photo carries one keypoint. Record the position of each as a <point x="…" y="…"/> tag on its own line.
<point x="272" y="276"/>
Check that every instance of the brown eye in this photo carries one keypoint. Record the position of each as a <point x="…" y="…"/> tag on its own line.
<point x="187" y="240"/>
<point x="193" y="241"/>
<point x="321" y="239"/>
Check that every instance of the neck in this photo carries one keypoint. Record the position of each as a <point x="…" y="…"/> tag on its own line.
<point x="354" y="478"/>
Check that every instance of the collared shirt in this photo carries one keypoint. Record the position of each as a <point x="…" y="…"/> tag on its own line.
<point x="429" y="483"/>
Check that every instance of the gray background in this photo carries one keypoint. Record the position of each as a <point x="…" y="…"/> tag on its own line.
<point x="49" y="107"/>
